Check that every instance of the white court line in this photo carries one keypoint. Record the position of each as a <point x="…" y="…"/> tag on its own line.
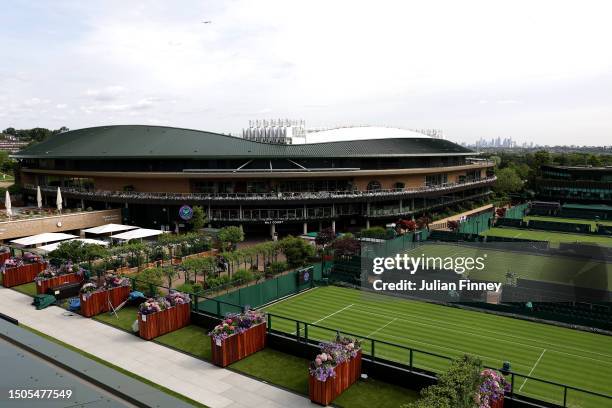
<point x="532" y="368"/>
<point x="328" y="316"/>
<point x="382" y="327"/>
<point x="493" y="337"/>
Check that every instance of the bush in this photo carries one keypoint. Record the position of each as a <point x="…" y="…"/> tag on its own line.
<point x="277" y="267"/>
<point x="296" y="250"/>
<point x="150" y="276"/>
<point x="197" y="288"/>
<point x="185" y="287"/>
<point x="243" y="275"/>
<point x="374" y="232"/>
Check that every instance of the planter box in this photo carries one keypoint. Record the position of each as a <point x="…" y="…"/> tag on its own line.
<point x="322" y="392"/>
<point x="98" y="302"/>
<point x="238" y="346"/>
<point x="44" y="284"/>
<point x="347" y="373"/>
<point x="498" y="404"/>
<point x="22" y="274"/>
<point x="4" y="256"/>
<point x="156" y="324"/>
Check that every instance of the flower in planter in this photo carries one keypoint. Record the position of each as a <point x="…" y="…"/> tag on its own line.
<point x="153" y="306"/>
<point x="236" y="323"/>
<point x="46" y="274"/>
<point x="351" y="345"/>
<point x="323" y="367"/>
<point x="492" y="388"/>
<point x="112" y="281"/>
<point x="177" y="298"/>
<point x="88" y="288"/>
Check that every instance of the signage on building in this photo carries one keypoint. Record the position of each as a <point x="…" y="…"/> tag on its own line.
<point x="186" y="212"/>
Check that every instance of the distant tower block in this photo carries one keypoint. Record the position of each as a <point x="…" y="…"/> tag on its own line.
<point x="276" y="131"/>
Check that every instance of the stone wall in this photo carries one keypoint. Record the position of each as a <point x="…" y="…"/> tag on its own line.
<point x="58" y="223"/>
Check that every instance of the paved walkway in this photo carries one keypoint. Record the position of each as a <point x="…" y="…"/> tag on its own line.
<point x="196" y="379"/>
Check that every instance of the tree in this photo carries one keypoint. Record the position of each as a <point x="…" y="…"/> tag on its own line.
<point x="296" y="250"/>
<point x="325" y="237"/>
<point x="198" y="220"/>
<point x="456" y="387"/>
<point x="507" y="181"/>
<point x="231" y="235"/>
<point x="169" y="273"/>
<point x="346" y="246"/>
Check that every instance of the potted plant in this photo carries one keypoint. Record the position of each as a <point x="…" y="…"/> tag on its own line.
<point x="492" y="388"/>
<point x="238" y="336"/>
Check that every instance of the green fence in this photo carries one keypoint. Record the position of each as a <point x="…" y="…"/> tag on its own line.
<point x="258" y="294"/>
<point x="517" y="212"/>
<point x="476" y="224"/>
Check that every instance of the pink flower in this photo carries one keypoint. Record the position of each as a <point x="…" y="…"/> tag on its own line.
<point x="318" y="361"/>
<point x="323" y="357"/>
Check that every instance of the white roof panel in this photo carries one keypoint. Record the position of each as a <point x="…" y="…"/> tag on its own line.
<point x="344" y="134"/>
<point x="53" y="247"/>
<point x="108" y="228"/>
<point x="43" y="238"/>
<point x="138" y="233"/>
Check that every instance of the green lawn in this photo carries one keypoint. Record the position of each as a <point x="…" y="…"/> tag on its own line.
<point x="566" y="270"/>
<point x="27" y="289"/>
<point x="549" y="236"/>
<point x="572" y="357"/>
<point x="191" y="339"/>
<point x="568" y="220"/>
<point x="291" y="373"/>
<point x="126" y="315"/>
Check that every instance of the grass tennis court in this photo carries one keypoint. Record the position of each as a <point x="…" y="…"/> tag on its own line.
<point x="576" y="358"/>
<point x="568" y="220"/>
<point x="548" y="236"/>
<point x="566" y="270"/>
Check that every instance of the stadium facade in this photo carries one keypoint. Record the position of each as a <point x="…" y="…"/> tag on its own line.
<point x="580" y="184"/>
<point x="151" y="172"/>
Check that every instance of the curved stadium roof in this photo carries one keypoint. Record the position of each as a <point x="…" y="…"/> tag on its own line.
<point x="136" y="141"/>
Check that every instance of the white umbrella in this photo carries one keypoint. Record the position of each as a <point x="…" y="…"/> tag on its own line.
<point x="7" y="204"/>
<point x="58" y="200"/>
<point x="38" y="197"/>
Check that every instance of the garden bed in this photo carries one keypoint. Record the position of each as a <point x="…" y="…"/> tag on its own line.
<point x="43" y="284"/>
<point x="165" y="321"/>
<point x="238" y="346"/>
<point x="95" y="303"/>
<point x="19" y="275"/>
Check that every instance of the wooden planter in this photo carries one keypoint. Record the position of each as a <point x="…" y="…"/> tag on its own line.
<point x="98" y="302"/>
<point x="22" y="274"/>
<point x="498" y="404"/>
<point x="238" y="346"/>
<point x="4" y="256"/>
<point x="156" y="324"/>
<point x="322" y="392"/>
<point x="44" y="284"/>
<point x="347" y="373"/>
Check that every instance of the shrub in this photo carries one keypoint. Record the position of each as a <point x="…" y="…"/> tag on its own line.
<point x="277" y="267"/>
<point x="242" y="275"/>
<point x="197" y="288"/>
<point x="296" y="250"/>
<point x="374" y="232"/>
<point x="185" y="287"/>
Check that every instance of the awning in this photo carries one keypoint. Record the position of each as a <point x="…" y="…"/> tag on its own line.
<point x="43" y="238"/>
<point x="137" y="234"/>
<point x="109" y="228"/>
<point x="53" y="247"/>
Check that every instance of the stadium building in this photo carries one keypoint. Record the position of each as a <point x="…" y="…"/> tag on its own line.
<point x="371" y="175"/>
<point x="582" y="184"/>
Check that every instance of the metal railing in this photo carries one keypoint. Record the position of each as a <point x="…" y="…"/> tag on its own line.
<point x="416" y="360"/>
<point x="288" y="196"/>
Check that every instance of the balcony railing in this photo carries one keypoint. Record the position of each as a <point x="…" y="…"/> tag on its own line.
<point x="278" y="196"/>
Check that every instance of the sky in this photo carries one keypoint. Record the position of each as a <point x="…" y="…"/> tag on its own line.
<point x="535" y="71"/>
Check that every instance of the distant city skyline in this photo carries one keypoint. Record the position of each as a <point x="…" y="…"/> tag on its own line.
<point x="535" y="72"/>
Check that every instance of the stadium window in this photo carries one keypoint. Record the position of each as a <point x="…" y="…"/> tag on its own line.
<point x="374" y="185"/>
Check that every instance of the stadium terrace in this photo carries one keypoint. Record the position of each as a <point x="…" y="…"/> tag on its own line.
<point x="150" y="172"/>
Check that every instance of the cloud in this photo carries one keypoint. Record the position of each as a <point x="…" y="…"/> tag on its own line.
<point x="108" y="93"/>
